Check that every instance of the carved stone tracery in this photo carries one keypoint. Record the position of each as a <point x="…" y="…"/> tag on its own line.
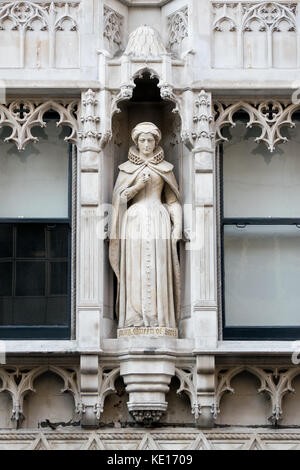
<point x="269" y="115"/>
<point x="187" y="386"/>
<point x="269" y="16"/>
<point x="22" y="115"/>
<point x="107" y="386"/>
<point x="113" y="22"/>
<point x="241" y="15"/>
<point x="275" y="382"/>
<point x="20" y="381"/>
<point x="239" y="19"/>
<point x="178" y="27"/>
<point x="51" y="15"/>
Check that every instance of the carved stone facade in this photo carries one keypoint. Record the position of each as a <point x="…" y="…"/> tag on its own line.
<point x="246" y="25"/>
<point x="36" y="33"/>
<point x="191" y="70"/>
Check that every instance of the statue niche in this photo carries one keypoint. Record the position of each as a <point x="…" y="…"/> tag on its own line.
<point x="146" y="227"/>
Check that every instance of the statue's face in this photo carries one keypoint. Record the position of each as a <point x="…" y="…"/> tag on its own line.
<point x="146" y="144"/>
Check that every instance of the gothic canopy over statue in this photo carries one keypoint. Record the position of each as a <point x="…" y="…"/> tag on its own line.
<point x="144" y="42"/>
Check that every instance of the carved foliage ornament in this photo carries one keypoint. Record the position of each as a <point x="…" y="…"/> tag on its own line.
<point x="270" y="116"/>
<point x="89" y="134"/>
<point x="144" y="42"/>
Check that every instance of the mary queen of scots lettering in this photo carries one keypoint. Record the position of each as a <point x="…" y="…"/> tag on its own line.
<point x="146" y="226"/>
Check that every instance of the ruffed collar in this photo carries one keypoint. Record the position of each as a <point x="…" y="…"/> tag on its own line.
<point x="134" y="157"/>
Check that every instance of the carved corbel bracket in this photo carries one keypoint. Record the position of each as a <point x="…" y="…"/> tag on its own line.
<point x="89" y="391"/>
<point x="107" y="386"/>
<point x="125" y="94"/>
<point x="198" y="382"/>
<point x="147" y="380"/>
<point x="187" y="386"/>
<point x="96" y="384"/>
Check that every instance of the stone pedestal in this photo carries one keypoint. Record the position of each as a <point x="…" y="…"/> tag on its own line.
<point x="147" y="380"/>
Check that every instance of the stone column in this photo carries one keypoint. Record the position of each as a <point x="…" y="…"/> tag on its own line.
<point x="203" y="325"/>
<point x="203" y="245"/>
<point x="88" y="256"/>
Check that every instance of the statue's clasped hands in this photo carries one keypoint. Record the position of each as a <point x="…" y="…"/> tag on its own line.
<point x="141" y="182"/>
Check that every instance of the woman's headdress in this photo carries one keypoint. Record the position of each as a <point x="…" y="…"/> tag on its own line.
<point x="146" y="128"/>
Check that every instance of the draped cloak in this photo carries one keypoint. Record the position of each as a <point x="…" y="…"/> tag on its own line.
<point x="129" y="171"/>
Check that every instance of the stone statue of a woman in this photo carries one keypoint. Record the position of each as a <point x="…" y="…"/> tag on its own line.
<point x="146" y="226"/>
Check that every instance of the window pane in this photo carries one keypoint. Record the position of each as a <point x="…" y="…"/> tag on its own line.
<point x="34" y="182"/>
<point x="58" y="241"/>
<point x="262" y="275"/>
<point x="6" y="279"/>
<point x="6" y="241"/>
<point x="59" y="278"/>
<point x="57" y="311"/>
<point x="30" y="278"/>
<point x="29" y="311"/>
<point x="258" y="183"/>
<point x="31" y="241"/>
<point x="34" y="277"/>
<point x="6" y="316"/>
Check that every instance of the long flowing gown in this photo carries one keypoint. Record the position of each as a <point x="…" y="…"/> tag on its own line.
<point x="146" y="273"/>
<point x="142" y="252"/>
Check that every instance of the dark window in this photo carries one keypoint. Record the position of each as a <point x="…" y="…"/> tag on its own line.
<point x="35" y="237"/>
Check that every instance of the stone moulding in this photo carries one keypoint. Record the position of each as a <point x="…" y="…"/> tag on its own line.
<point x="181" y="439"/>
